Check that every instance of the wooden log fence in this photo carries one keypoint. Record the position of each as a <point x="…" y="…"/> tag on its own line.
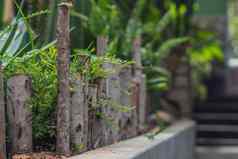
<point x="88" y="116"/>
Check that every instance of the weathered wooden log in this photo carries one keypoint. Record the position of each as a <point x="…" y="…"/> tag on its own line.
<point x="139" y="79"/>
<point x="95" y="131"/>
<point x="128" y="120"/>
<point x="2" y="119"/>
<point x="98" y="125"/>
<point x="63" y="101"/>
<point x="19" y="92"/>
<point x="143" y="108"/>
<point x="79" y="116"/>
<point x="108" y="97"/>
<point x="111" y="111"/>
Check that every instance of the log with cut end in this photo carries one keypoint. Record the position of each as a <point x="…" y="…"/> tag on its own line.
<point x="112" y="111"/>
<point x="79" y="116"/>
<point x="128" y="120"/>
<point x="19" y="92"/>
<point x="63" y="101"/>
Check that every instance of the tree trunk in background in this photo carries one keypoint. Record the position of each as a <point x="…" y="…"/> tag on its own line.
<point x="2" y="119"/>
<point x="128" y="121"/>
<point x="63" y="101"/>
<point x="101" y="45"/>
<point x="8" y="11"/>
<point x="19" y="91"/>
<point x="181" y="91"/>
<point x="79" y="113"/>
<point x="139" y="78"/>
<point x="178" y="99"/>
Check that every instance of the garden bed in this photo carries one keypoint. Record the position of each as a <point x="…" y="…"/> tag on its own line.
<point x="175" y="142"/>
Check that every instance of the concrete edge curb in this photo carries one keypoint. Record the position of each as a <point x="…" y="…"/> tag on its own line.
<point x="176" y="142"/>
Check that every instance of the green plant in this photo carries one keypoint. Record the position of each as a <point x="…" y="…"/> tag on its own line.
<point x="12" y="41"/>
<point x="156" y="49"/>
<point x="40" y="65"/>
<point x="91" y="67"/>
<point x="104" y="18"/>
<point x="206" y="50"/>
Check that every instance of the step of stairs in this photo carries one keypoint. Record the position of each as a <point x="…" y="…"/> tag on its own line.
<point x="217" y="122"/>
<point x="217" y="128"/>
<point x="222" y="152"/>
<point x="217" y="141"/>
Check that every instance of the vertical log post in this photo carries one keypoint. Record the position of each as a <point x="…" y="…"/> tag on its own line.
<point x="128" y="120"/>
<point x="110" y="91"/>
<point x="19" y="91"/>
<point x="93" y="122"/>
<point x="2" y="118"/>
<point x="63" y="101"/>
<point x="98" y="125"/>
<point x="112" y="114"/>
<point x="79" y="113"/>
<point x="140" y="80"/>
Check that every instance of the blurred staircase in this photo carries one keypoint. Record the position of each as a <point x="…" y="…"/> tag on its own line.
<point x="217" y="122"/>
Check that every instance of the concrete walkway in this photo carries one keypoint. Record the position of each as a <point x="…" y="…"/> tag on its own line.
<point x="217" y="152"/>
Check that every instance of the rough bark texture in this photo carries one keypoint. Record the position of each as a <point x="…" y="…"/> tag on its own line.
<point x="109" y="90"/>
<point x="98" y="125"/>
<point x="2" y="119"/>
<point x="94" y="124"/>
<point x="63" y="101"/>
<point x="20" y="117"/>
<point x="111" y="111"/>
<point x="139" y="78"/>
<point x="79" y="116"/>
<point x="128" y="120"/>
